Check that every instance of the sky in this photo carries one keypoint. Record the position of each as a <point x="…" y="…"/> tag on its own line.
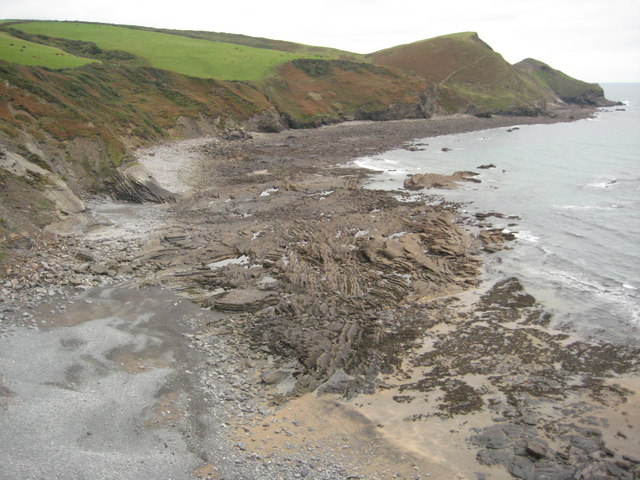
<point x="593" y="40"/>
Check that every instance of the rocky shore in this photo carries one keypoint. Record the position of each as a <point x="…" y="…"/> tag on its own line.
<point x="347" y="334"/>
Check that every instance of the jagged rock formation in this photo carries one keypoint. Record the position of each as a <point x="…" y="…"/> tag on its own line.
<point x="135" y="184"/>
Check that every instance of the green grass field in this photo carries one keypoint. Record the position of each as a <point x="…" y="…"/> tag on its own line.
<point x="189" y="56"/>
<point x="19" y="51"/>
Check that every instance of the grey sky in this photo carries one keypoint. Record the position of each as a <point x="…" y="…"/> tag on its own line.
<point x="594" y="40"/>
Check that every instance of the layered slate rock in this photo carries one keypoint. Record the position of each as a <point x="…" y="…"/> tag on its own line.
<point x="244" y="300"/>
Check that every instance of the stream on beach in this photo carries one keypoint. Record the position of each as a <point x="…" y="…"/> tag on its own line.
<point x="575" y="190"/>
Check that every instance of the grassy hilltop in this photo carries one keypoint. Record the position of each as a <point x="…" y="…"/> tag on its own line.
<point x="188" y="56"/>
<point x="77" y="97"/>
<point x="20" y="51"/>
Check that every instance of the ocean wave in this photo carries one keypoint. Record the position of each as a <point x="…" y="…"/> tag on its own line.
<point x="589" y="207"/>
<point x="611" y="182"/>
<point x="380" y="165"/>
<point x="603" y="183"/>
<point x="370" y="164"/>
<point x="527" y="236"/>
<point x="619" y="296"/>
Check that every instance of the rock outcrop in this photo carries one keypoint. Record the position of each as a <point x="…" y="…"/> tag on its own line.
<point x="50" y="184"/>
<point x="418" y="181"/>
<point x="135" y="184"/>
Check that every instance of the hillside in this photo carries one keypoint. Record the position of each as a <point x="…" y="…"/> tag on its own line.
<point x="313" y="92"/>
<point x="568" y="89"/>
<point x="480" y="78"/>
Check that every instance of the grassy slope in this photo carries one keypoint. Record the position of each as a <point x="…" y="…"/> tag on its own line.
<point x="15" y="50"/>
<point x="258" y="42"/>
<point x="188" y="56"/>
<point x="470" y="68"/>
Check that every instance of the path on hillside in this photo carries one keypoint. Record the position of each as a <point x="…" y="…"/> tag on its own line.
<point x="455" y="72"/>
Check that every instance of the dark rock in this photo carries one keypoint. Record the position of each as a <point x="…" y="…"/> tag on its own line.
<point x="631" y="459"/>
<point x="618" y="473"/>
<point x="553" y="471"/>
<point x="622" y="464"/>
<point x="587" y="445"/>
<point x="85" y="255"/>
<point x="98" y="269"/>
<point x="75" y="280"/>
<point x="536" y="447"/>
<point x="236" y="134"/>
<point x="493" y="438"/>
<point x="596" y="472"/>
<point x="272" y="377"/>
<point x="522" y="467"/>
<point x="19" y="242"/>
<point x="529" y="419"/>
<point x="494" y="457"/>
<point x="508" y="294"/>
<point x="338" y="383"/>
<point x="125" y="270"/>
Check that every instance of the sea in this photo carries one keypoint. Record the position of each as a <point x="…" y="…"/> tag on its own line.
<point x="575" y="188"/>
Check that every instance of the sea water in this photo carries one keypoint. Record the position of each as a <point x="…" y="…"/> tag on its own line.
<point x="576" y="190"/>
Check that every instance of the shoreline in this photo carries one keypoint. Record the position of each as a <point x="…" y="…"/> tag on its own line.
<point x="329" y="286"/>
